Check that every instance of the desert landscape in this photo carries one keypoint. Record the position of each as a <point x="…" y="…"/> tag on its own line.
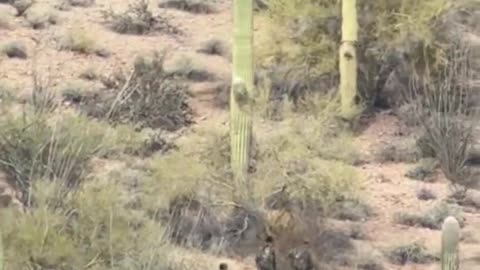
<point x="114" y="149"/>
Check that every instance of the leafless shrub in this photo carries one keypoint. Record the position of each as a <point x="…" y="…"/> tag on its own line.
<point x="147" y="97"/>
<point x="445" y="116"/>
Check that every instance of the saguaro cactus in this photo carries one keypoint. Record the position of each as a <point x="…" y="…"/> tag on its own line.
<point x="241" y="94"/>
<point x="450" y="239"/>
<point x="348" y="58"/>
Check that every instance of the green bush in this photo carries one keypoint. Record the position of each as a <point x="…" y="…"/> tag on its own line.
<point x="138" y="19"/>
<point x="34" y="147"/>
<point x="311" y="155"/>
<point x="305" y="36"/>
<point x="89" y="228"/>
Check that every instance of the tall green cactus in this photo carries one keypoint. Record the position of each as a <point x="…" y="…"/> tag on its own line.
<point x="450" y="240"/>
<point x="348" y="58"/>
<point x="241" y="94"/>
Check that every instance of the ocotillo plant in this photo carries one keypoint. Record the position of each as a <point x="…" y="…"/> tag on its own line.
<point x="348" y="58"/>
<point x="241" y="93"/>
<point x="450" y="239"/>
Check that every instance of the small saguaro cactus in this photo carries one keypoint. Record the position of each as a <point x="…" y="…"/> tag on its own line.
<point x="450" y="240"/>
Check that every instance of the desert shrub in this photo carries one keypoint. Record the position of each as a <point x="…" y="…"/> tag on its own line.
<point x="40" y="16"/>
<point x="74" y="92"/>
<point x="305" y="35"/>
<point x="401" y="150"/>
<point x="34" y="148"/>
<point x="175" y="193"/>
<point x="92" y="227"/>
<point x="148" y="97"/>
<point x="425" y="194"/>
<point x="213" y="47"/>
<point x="432" y="218"/>
<point x="15" y="49"/>
<point x="314" y="173"/>
<point x="353" y="210"/>
<point x="313" y="180"/>
<point x="89" y="74"/>
<point x="80" y="3"/>
<point x="424" y="146"/>
<point x="138" y="19"/>
<point x="414" y="253"/>
<point x="21" y="5"/>
<point x="185" y="68"/>
<point x="423" y="171"/>
<point x="445" y="117"/>
<point x="356" y="232"/>
<point x="193" y="6"/>
<point x="174" y="175"/>
<point x="80" y="40"/>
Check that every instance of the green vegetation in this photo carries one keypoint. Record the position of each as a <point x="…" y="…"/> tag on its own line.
<point x="79" y="40"/>
<point x="138" y="19"/>
<point x="117" y="178"/>
<point x="304" y="36"/>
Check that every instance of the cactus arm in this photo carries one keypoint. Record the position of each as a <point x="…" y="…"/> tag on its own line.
<point x="348" y="59"/>
<point x="242" y="89"/>
<point x="450" y="240"/>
